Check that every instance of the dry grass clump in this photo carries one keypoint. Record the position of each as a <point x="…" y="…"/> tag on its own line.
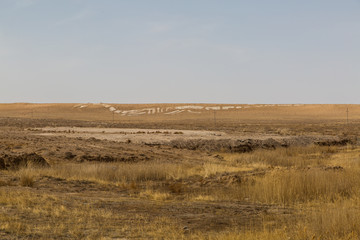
<point x="332" y="221"/>
<point x="340" y="219"/>
<point x="293" y="187"/>
<point x="235" y="234"/>
<point x="155" y="195"/>
<point x="208" y="169"/>
<point x="285" y="157"/>
<point x="131" y="172"/>
<point x="201" y="197"/>
<point x="27" y="178"/>
<point x="112" y="172"/>
<point x="53" y="218"/>
<point x="27" y="181"/>
<point x="69" y="218"/>
<point x="303" y="186"/>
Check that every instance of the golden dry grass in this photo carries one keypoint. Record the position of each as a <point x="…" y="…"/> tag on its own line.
<point x="317" y="186"/>
<point x="320" y="185"/>
<point x="285" y="157"/>
<point x="303" y="186"/>
<point x="62" y="217"/>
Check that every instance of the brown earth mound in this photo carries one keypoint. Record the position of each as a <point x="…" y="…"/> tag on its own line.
<point x="227" y="145"/>
<point x="97" y="158"/>
<point x="248" y="145"/>
<point x="108" y="158"/>
<point x="339" y="142"/>
<point x="11" y="162"/>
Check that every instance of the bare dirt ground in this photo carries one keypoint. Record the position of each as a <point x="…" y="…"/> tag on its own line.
<point x="134" y="175"/>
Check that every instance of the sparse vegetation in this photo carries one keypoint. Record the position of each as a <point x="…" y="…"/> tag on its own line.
<point x="26" y="178"/>
<point x="101" y="189"/>
<point x="323" y="199"/>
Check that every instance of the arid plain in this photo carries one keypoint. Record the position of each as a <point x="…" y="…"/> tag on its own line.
<point x="179" y="171"/>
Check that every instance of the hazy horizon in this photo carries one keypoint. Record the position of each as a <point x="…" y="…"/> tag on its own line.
<point x="204" y="51"/>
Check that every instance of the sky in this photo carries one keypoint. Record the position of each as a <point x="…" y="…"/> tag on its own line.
<point x="180" y="51"/>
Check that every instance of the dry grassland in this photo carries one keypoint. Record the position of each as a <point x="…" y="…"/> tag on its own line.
<point x="294" y="192"/>
<point x="278" y="119"/>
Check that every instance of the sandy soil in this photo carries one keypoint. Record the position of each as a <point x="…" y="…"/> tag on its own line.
<point x="151" y="136"/>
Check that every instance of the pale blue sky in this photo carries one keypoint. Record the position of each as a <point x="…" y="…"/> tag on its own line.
<point x="209" y="51"/>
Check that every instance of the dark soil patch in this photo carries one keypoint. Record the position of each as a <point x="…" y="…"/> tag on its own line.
<point x="337" y="142"/>
<point x="108" y="158"/>
<point x="2" y="164"/>
<point x="15" y="162"/>
<point x="249" y="145"/>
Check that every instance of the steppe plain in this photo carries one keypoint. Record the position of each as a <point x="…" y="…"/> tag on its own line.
<point x="179" y="171"/>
